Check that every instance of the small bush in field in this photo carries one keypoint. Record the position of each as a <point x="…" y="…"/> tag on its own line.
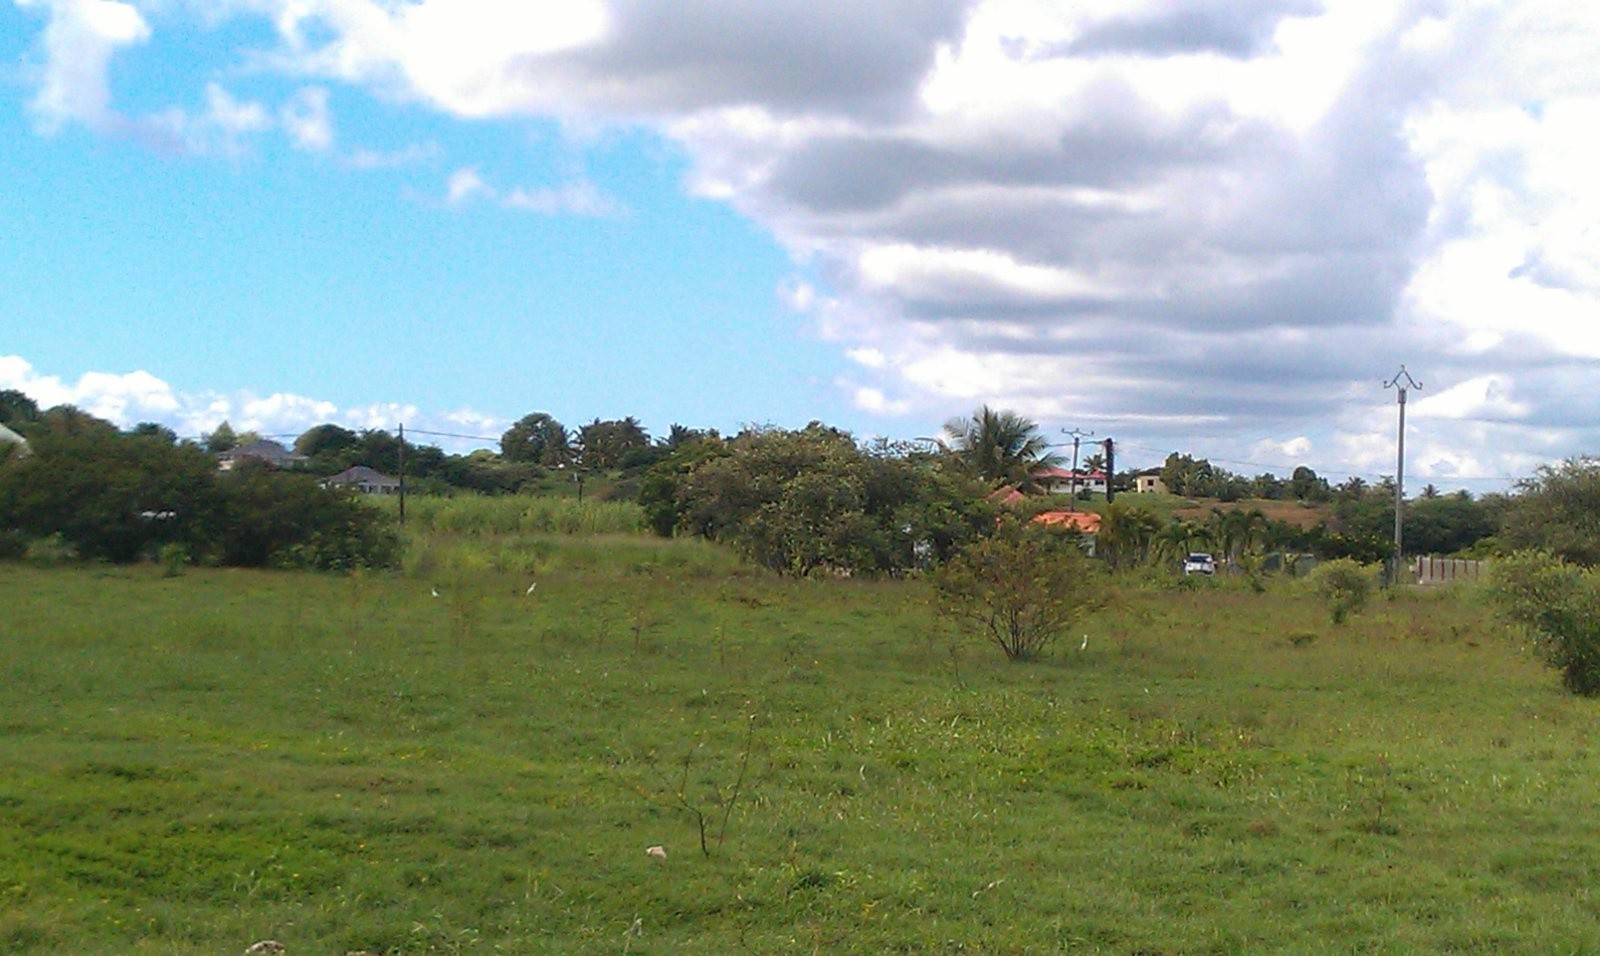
<point x="1344" y="585"/>
<point x="1019" y="589"/>
<point x="1558" y="604"/>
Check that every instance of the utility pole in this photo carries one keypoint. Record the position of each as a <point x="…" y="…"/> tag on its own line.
<point x="1111" y="467"/>
<point x="1077" y="436"/>
<point x="1400" y="461"/>
<point x="402" y="472"/>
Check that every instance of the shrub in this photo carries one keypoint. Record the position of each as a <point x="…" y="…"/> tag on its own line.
<point x="1019" y="589"/>
<point x="1558" y="605"/>
<point x="271" y="518"/>
<point x="1344" y="585"/>
<point x="13" y="545"/>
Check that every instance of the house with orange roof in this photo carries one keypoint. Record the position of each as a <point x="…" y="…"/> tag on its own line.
<point x="1085" y="523"/>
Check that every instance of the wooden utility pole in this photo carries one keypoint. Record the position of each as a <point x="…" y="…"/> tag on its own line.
<point x="1077" y="436"/>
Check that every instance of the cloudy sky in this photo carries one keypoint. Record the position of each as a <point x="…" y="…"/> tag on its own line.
<point x="1214" y="226"/>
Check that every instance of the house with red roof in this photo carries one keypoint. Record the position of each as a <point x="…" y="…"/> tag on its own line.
<point x="1060" y="481"/>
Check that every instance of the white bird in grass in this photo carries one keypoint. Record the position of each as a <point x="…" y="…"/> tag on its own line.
<point x="1085" y="645"/>
<point x="435" y="591"/>
<point x="529" y="592"/>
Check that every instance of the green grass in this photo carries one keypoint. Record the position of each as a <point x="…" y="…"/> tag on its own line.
<point x="488" y="515"/>
<point x="342" y="763"/>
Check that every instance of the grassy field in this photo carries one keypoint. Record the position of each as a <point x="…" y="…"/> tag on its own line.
<point x="194" y="763"/>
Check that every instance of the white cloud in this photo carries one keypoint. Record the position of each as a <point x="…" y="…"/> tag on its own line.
<point x="1487" y="397"/>
<point x="79" y="43"/>
<point x="410" y="155"/>
<point x="1289" y="450"/>
<point x="307" y="120"/>
<point x="465" y="184"/>
<point x="1207" y="219"/>
<point x="870" y="357"/>
<point x="222" y="128"/>
<point x="873" y="400"/>
<point x="233" y="116"/>
<point x="128" y="398"/>
<point x="578" y="198"/>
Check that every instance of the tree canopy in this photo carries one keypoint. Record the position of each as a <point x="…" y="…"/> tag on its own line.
<point x="1000" y="447"/>
<point x="1558" y="510"/>
<point x="539" y="439"/>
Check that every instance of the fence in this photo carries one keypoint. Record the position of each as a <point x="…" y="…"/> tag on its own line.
<point x="1431" y="569"/>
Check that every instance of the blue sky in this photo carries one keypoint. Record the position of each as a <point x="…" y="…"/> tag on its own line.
<point x="268" y="269"/>
<point x="1214" y="227"/>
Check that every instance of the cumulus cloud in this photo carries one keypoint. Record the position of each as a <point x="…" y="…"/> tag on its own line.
<point x="79" y="41"/>
<point x="307" y="120"/>
<point x="128" y="398"/>
<point x="1215" y="221"/>
<point x="465" y="184"/>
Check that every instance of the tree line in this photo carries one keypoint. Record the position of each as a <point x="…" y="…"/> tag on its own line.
<point x="796" y="500"/>
<point x="123" y="496"/>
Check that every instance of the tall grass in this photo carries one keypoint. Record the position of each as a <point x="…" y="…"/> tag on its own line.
<point x="522" y="514"/>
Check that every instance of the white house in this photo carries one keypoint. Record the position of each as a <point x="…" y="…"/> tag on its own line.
<point x="1059" y="481"/>
<point x="1149" y="483"/>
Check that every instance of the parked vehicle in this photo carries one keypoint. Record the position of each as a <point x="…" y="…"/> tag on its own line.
<point x="1200" y="563"/>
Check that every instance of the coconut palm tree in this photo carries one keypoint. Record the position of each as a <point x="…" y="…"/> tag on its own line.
<point x="1177" y="539"/>
<point x="1000" y="447"/>
<point x="1127" y="534"/>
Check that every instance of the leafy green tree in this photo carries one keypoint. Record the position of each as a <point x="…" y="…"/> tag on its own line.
<point x="1304" y="485"/>
<point x="1017" y="590"/>
<point x="1198" y="478"/>
<point x="1269" y="486"/>
<point x="539" y="439"/>
<point x="662" y="493"/>
<point x="111" y="496"/>
<point x="321" y="441"/>
<point x="271" y="518"/>
<point x="224" y="438"/>
<point x="1000" y="447"/>
<point x="155" y="430"/>
<point x="1446" y="524"/>
<point x="1558" y="510"/>
<point x="810" y="500"/>
<point x="16" y="408"/>
<point x="1558" y="605"/>
<point x="791" y="501"/>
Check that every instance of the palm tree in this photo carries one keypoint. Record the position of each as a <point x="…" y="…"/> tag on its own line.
<point x="1001" y="447"/>
<point x="1127" y="534"/>
<point x="1172" y="542"/>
